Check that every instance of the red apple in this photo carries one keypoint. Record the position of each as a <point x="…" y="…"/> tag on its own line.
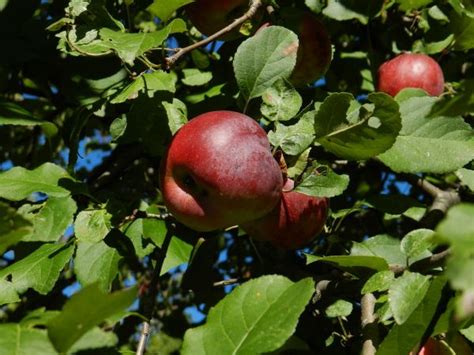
<point x="219" y="171"/>
<point x="410" y="70"/>
<point x="314" y="50"/>
<point x="293" y="223"/>
<point x="436" y="347"/>
<point x="209" y="16"/>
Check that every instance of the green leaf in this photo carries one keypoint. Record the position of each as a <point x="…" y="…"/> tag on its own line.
<point x="129" y="46"/>
<point x="356" y="132"/>
<point x="342" y="10"/>
<point x="378" y="282"/>
<point x="455" y="105"/>
<point x="92" y="225"/>
<point x="164" y="9"/>
<point x="281" y="101"/>
<point x="85" y="310"/>
<point x="293" y="139"/>
<point x="406" y="293"/>
<point x="95" y="338"/>
<point x="15" y="340"/>
<point x="8" y="293"/>
<point x="354" y="264"/>
<point x="13" y="227"/>
<point x="196" y="77"/>
<point x="382" y="246"/>
<point x="263" y="59"/>
<point x="407" y="5"/>
<point x="467" y="177"/>
<point x="19" y="183"/>
<point x="463" y="28"/>
<point x="96" y="263"/>
<point x="257" y="317"/>
<point x="459" y="271"/>
<point x="417" y="242"/>
<point x="392" y="204"/>
<point x="468" y="333"/>
<point x="416" y="325"/>
<point x="429" y="144"/>
<point x="340" y="308"/>
<point x="40" y="269"/>
<point x="323" y="181"/>
<point x="177" y="114"/>
<point x="457" y="228"/>
<point x="179" y="251"/>
<point x="13" y="114"/>
<point x="118" y="127"/>
<point x="52" y="220"/>
<point x="148" y="84"/>
<point x="38" y="317"/>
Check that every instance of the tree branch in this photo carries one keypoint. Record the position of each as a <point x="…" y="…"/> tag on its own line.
<point x="370" y="332"/>
<point x="255" y="5"/>
<point x="149" y="298"/>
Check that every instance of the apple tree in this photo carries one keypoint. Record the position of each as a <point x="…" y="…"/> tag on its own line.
<point x="321" y="206"/>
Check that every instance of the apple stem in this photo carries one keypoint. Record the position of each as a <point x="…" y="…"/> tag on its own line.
<point x="149" y="297"/>
<point x="254" y="6"/>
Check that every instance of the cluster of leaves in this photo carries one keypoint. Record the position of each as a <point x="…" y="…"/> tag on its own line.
<point x="87" y="108"/>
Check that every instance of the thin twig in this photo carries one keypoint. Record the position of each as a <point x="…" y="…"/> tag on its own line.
<point x="369" y="326"/>
<point x="424" y="264"/>
<point x="149" y="298"/>
<point x="255" y="5"/>
<point x="226" y="282"/>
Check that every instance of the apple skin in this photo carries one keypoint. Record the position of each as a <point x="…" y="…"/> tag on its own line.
<point x="293" y="223"/>
<point x="436" y="347"/>
<point x="219" y="171"/>
<point x="411" y="70"/>
<point x="209" y="16"/>
<point x="314" y="51"/>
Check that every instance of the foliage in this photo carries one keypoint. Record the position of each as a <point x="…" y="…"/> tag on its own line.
<point x="89" y="100"/>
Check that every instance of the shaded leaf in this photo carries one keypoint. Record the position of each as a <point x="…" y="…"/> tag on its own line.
<point x="83" y="311"/>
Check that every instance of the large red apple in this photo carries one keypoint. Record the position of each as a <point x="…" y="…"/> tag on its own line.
<point x="209" y="16"/>
<point x="410" y="70"/>
<point x="219" y="171"/>
<point x="314" y="51"/>
<point x="293" y="223"/>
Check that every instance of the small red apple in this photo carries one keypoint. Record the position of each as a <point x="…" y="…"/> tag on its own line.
<point x="436" y="347"/>
<point x="293" y="223"/>
<point x="411" y="70"/>
<point x="314" y="51"/>
<point x="209" y="16"/>
<point x="219" y="171"/>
